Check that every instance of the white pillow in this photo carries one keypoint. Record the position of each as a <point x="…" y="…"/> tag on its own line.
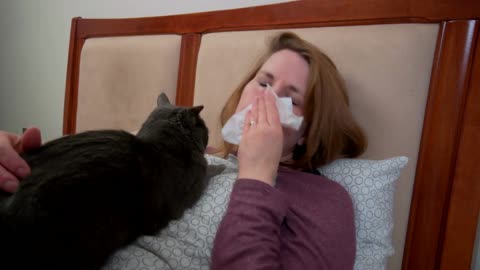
<point x="371" y="186"/>
<point x="187" y="243"/>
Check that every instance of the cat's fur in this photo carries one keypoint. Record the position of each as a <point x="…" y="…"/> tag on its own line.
<point x="93" y="192"/>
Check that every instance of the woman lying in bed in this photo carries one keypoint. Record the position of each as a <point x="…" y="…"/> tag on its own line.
<point x="269" y="209"/>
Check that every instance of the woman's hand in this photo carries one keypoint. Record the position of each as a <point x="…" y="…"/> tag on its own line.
<point x="12" y="166"/>
<point x="261" y="145"/>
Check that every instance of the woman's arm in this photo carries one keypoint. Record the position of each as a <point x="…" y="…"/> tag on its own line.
<point x="249" y="235"/>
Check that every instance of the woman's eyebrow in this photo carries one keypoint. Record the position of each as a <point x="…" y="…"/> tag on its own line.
<point x="268" y="74"/>
<point x="293" y="89"/>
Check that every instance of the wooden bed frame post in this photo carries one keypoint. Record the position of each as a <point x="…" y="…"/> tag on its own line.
<point x="71" y="95"/>
<point x="440" y="140"/>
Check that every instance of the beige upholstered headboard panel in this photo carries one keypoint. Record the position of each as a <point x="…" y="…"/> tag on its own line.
<point x="120" y="78"/>
<point x="387" y="70"/>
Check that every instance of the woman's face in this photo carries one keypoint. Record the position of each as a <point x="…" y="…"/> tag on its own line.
<point x="287" y="74"/>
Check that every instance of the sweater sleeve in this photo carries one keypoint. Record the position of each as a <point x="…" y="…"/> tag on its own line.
<point x="249" y="235"/>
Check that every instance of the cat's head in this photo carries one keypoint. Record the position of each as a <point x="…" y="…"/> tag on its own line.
<point x="182" y="123"/>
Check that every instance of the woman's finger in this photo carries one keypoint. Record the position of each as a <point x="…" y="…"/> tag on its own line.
<point x="247" y="125"/>
<point x="11" y="164"/>
<point x="31" y="139"/>
<point x="251" y="119"/>
<point x="10" y="145"/>
<point x="254" y="109"/>
<point x="271" y="109"/>
<point x="8" y="182"/>
<point x="262" y="113"/>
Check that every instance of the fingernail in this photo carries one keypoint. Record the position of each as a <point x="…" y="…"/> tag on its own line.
<point x="22" y="172"/>
<point x="10" y="185"/>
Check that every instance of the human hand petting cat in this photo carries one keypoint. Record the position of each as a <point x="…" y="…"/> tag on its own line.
<point x="12" y="166"/>
<point x="261" y="145"/>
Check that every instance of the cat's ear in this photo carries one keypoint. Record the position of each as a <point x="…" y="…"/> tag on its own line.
<point x="162" y="100"/>
<point x="197" y="109"/>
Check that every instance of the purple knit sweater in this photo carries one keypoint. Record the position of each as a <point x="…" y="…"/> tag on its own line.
<point x="304" y="222"/>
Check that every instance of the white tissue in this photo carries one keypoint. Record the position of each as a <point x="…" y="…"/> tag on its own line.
<point x="233" y="129"/>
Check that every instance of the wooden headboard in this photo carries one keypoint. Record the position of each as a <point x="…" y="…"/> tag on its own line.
<point x="445" y="202"/>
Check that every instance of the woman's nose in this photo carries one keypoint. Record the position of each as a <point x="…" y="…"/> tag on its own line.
<point x="277" y="89"/>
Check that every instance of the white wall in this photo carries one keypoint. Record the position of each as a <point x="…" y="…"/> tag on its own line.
<point x="34" y="38"/>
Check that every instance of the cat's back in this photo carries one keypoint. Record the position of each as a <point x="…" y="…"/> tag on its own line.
<point x="92" y="167"/>
<point x="85" y="147"/>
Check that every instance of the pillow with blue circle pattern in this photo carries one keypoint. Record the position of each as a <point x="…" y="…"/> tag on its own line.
<point x="371" y="186"/>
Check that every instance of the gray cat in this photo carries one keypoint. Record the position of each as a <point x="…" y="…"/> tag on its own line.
<point x="94" y="192"/>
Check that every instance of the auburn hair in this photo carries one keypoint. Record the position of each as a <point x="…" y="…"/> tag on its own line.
<point x="330" y="129"/>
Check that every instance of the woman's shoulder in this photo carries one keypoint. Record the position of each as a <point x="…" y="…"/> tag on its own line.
<point x="322" y="207"/>
<point x="311" y="184"/>
<point x="306" y="177"/>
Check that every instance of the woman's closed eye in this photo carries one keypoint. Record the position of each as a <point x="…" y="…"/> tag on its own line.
<point x="263" y="84"/>
<point x="296" y="101"/>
